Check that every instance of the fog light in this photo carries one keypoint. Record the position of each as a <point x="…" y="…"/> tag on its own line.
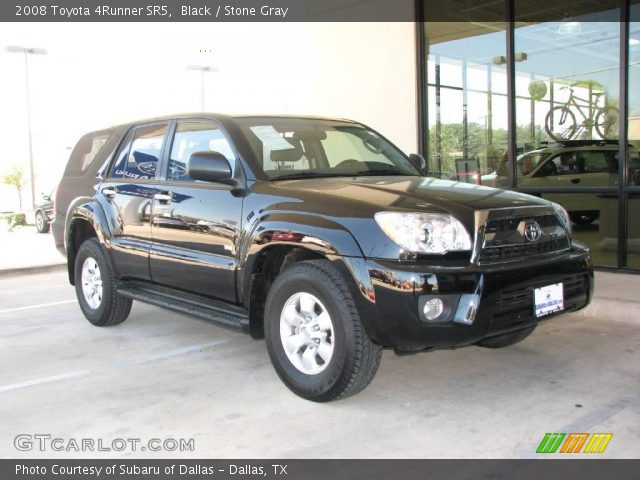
<point x="433" y="308"/>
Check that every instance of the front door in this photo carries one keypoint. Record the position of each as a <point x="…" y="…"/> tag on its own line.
<point x="128" y="192"/>
<point x="195" y="224"/>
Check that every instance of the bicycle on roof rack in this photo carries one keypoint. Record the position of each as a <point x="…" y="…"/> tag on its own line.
<point x="561" y="124"/>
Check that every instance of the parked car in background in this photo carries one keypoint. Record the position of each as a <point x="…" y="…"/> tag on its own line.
<point x="44" y="213"/>
<point x="318" y="235"/>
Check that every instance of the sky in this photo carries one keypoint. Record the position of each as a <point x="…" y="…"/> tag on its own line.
<point x="96" y="75"/>
<point x="99" y="74"/>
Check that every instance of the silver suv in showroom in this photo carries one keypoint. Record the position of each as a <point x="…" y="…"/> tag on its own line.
<point x="571" y="164"/>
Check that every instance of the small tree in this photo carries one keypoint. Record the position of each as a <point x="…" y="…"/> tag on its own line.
<point x="15" y="178"/>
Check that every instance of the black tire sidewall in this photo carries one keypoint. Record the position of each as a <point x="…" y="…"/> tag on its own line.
<point x="91" y="248"/>
<point x="320" y="386"/>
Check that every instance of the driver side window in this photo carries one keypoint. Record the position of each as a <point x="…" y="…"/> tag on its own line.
<point x="563" y="164"/>
<point x="196" y="136"/>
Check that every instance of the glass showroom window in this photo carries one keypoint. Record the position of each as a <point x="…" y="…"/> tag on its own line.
<point x="633" y="211"/>
<point x="567" y="100"/>
<point x="466" y="100"/>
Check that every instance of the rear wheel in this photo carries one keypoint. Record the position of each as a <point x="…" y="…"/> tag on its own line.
<point x="95" y="284"/>
<point x="314" y="333"/>
<point x="41" y="223"/>
<point x="507" y="339"/>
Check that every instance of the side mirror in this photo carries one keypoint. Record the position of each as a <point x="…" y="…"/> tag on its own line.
<point x="209" y="167"/>
<point x="419" y="162"/>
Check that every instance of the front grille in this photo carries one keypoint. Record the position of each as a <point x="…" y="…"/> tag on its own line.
<point x="504" y="242"/>
<point x="521" y="299"/>
<point x="508" y="224"/>
<point x="514" y="252"/>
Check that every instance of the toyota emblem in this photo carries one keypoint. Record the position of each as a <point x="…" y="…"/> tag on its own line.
<point x="532" y="231"/>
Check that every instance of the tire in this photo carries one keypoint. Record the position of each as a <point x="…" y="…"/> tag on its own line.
<point x="607" y="123"/>
<point x="507" y="339"/>
<point x="42" y="225"/>
<point x="583" y="218"/>
<point x="303" y="297"/>
<point x="93" y="273"/>
<point x="560" y="124"/>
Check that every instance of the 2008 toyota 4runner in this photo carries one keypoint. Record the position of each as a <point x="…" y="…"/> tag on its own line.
<point x="316" y="234"/>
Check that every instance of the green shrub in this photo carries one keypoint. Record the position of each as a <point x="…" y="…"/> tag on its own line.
<point x="15" y="219"/>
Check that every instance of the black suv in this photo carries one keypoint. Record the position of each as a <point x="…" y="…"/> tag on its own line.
<point x="316" y="234"/>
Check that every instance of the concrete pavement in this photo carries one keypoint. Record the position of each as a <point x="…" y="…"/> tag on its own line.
<point x="30" y="251"/>
<point x="161" y="374"/>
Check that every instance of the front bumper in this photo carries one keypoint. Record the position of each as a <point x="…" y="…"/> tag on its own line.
<point x="505" y="294"/>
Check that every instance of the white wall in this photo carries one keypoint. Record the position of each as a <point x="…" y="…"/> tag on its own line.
<point x="95" y="75"/>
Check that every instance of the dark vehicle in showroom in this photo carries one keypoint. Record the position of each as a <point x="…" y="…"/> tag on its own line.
<point x="44" y="213"/>
<point x="318" y="235"/>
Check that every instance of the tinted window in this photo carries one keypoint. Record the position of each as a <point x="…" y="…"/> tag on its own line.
<point x="85" y="152"/>
<point x="138" y="158"/>
<point x="196" y="136"/>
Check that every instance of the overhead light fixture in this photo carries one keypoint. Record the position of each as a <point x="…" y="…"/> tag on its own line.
<point x="501" y="59"/>
<point x="569" y="28"/>
<point x="520" y="57"/>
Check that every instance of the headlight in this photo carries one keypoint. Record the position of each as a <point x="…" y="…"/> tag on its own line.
<point x="564" y="216"/>
<point x="425" y="232"/>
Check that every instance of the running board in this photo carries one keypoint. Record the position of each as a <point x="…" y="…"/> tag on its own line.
<point x="220" y="313"/>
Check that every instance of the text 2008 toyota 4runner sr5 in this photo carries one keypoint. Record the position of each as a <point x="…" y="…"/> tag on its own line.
<point x="317" y="234"/>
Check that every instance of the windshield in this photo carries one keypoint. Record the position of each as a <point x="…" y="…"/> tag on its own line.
<point x="304" y="148"/>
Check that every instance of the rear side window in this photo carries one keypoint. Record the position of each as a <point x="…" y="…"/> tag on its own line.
<point x="593" y="161"/>
<point x="138" y="157"/>
<point x="85" y="152"/>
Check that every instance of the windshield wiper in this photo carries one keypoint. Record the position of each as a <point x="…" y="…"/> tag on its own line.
<point x="307" y="174"/>
<point x="361" y="173"/>
<point x="381" y="172"/>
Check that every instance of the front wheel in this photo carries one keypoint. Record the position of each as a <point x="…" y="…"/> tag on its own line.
<point x="607" y="122"/>
<point x="95" y="284"/>
<point x="314" y="334"/>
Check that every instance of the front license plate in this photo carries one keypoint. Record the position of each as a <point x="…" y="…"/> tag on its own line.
<point x="548" y="299"/>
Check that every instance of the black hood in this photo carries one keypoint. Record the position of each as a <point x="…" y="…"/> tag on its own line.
<point x="353" y="202"/>
<point x="403" y="193"/>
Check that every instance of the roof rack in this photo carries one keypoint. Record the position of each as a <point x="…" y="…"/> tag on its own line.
<point x="581" y="143"/>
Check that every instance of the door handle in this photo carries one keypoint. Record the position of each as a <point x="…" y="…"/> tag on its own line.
<point x="163" y="197"/>
<point x="575" y="180"/>
<point x="109" y="192"/>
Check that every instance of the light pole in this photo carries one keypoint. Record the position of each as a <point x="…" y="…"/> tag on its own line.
<point x="203" y="69"/>
<point x="27" y="51"/>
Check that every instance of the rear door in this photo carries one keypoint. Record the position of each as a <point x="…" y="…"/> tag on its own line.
<point x="128" y="193"/>
<point x="196" y="224"/>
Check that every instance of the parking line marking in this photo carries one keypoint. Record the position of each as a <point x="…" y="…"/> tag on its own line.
<point x="41" y="305"/>
<point x="114" y="366"/>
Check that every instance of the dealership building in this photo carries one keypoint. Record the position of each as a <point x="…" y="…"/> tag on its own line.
<point x="541" y="97"/>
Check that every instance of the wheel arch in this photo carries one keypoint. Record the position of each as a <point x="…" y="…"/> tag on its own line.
<point x="85" y="219"/>
<point x="279" y="243"/>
